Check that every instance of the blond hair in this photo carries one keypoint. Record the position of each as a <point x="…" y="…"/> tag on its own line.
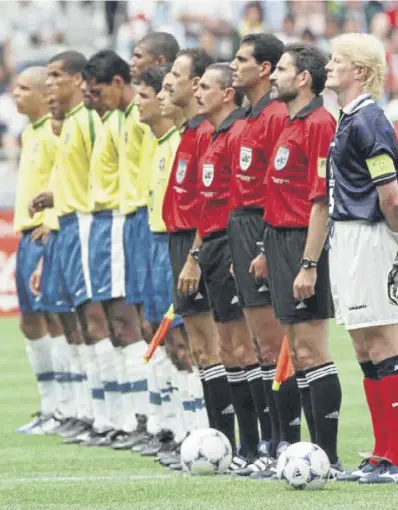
<point x="365" y="50"/>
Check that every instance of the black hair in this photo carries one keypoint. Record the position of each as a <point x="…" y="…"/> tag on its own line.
<point x="161" y="44"/>
<point x="73" y="61"/>
<point x="104" y="66"/>
<point x="309" y="58"/>
<point x="266" y="48"/>
<point x="154" y="76"/>
<point x="200" y="60"/>
<point x="226" y="79"/>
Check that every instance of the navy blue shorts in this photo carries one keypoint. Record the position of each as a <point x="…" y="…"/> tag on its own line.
<point x="73" y="241"/>
<point x="106" y="256"/>
<point x="28" y="256"/>
<point x="137" y="242"/>
<point x="53" y="295"/>
<point x="162" y="282"/>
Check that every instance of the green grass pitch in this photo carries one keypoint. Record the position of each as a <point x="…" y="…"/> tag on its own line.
<point x="40" y="473"/>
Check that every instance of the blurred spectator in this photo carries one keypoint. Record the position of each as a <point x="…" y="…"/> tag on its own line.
<point x="309" y="14"/>
<point x="308" y="36"/>
<point x="253" y="19"/>
<point x="379" y="25"/>
<point x="288" y="33"/>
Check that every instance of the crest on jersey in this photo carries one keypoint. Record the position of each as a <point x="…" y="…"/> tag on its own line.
<point x="281" y="158"/>
<point x="181" y="170"/>
<point x="162" y="164"/>
<point x="245" y="157"/>
<point x="208" y="174"/>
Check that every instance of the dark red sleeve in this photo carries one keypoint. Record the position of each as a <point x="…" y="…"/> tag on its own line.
<point x="320" y="132"/>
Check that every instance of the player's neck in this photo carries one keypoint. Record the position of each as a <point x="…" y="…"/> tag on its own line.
<point x="218" y="117"/>
<point x="190" y="110"/>
<point x="256" y="93"/>
<point x="179" y="119"/>
<point x="162" y="127"/>
<point x="128" y="96"/>
<point x="38" y="115"/>
<point x="345" y="97"/>
<point x="301" y="101"/>
<point x="75" y="100"/>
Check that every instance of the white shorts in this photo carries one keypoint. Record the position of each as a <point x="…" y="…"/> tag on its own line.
<point x="360" y="257"/>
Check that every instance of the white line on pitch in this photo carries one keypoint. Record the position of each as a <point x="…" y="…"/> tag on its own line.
<point x="83" y="478"/>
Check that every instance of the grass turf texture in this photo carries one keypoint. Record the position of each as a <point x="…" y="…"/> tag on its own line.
<point x="40" y="473"/>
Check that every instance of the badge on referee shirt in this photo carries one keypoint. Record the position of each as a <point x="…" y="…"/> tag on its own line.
<point x="245" y="157"/>
<point x="281" y="158"/>
<point x="181" y="170"/>
<point x="208" y="174"/>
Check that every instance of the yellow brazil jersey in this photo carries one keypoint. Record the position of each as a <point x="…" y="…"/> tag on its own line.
<point x="35" y="167"/>
<point x="72" y="164"/>
<point x="149" y="144"/>
<point x="162" y="163"/>
<point x="50" y="215"/>
<point x="130" y="143"/>
<point x="104" y="167"/>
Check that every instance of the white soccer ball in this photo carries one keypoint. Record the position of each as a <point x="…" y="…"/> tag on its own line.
<point x="206" y="452"/>
<point x="304" y="466"/>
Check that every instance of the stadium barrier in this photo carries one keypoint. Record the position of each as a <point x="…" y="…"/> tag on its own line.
<point x="8" y="256"/>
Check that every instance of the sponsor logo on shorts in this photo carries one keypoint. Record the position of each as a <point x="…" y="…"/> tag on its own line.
<point x="333" y="416"/>
<point x="301" y="306"/>
<point x="281" y="158"/>
<point x="198" y="297"/>
<point x="263" y="288"/>
<point x="79" y="292"/>
<point x="235" y="300"/>
<point x="295" y="422"/>
<point x="228" y="410"/>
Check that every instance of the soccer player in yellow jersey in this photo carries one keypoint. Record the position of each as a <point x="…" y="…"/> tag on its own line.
<point x="36" y="162"/>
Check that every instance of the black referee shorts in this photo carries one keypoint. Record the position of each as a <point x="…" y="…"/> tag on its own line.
<point x="179" y="245"/>
<point x="245" y="227"/>
<point x="284" y="250"/>
<point x="215" y="262"/>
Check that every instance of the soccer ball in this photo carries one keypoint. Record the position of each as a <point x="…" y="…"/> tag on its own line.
<point x="304" y="466"/>
<point x="206" y="452"/>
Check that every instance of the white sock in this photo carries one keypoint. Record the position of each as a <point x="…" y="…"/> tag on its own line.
<point x="155" y="412"/>
<point x="128" y="421"/>
<point x="136" y="389"/>
<point x="39" y="353"/>
<point x="101" y="423"/>
<point x="107" y="364"/>
<point x="164" y="372"/>
<point x="79" y="383"/>
<point x="196" y="391"/>
<point x="188" y="404"/>
<point x="61" y="356"/>
<point x="179" y="426"/>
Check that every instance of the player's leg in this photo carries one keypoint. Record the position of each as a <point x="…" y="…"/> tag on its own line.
<point x="244" y="228"/>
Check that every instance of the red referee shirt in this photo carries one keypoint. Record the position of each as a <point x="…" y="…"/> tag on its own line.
<point x="297" y="170"/>
<point x="181" y="202"/>
<point x="214" y="179"/>
<point x="264" y="123"/>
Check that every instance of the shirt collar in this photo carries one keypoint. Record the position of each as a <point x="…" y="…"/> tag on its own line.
<point x="167" y="135"/>
<point x="315" y="103"/>
<point x="358" y="103"/>
<point x="238" y="113"/>
<point x="41" y="121"/>
<point x="129" y="108"/>
<point x="106" y="115"/>
<point x="75" y="110"/>
<point x="193" y="123"/>
<point x="256" y="109"/>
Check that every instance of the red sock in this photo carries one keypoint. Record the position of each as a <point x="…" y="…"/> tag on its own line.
<point x="375" y="401"/>
<point x="389" y="390"/>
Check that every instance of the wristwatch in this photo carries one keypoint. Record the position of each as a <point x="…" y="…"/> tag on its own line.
<point x="194" y="252"/>
<point x="307" y="263"/>
<point x="260" y="247"/>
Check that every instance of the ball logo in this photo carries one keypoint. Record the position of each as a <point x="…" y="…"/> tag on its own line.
<point x="208" y="174"/>
<point x="281" y="158"/>
<point x="245" y="159"/>
<point x="181" y="170"/>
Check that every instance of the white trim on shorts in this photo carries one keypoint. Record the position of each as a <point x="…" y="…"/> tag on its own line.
<point x="84" y="222"/>
<point x="360" y="257"/>
<point x="118" y="288"/>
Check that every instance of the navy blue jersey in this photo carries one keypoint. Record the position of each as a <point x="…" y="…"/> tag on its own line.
<point x="362" y="156"/>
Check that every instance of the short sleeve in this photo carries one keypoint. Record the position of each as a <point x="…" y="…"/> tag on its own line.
<point x="320" y="136"/>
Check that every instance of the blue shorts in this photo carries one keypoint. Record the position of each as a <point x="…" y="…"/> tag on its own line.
<point x="136" y="242"/>
<point x="73" y="239"/>
<point x="53" y="294"/>
<point x="28" y="256"/>
<point x="106" y="256"/>
<point x="161" y="279"/>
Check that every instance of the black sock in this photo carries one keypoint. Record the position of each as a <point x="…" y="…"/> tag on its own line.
<point x="369" y="370"/>
<point x="326" y="402"/>
<point x="245" y="411"/>
<point x="288" y="403"/>
<point x="220" y="401"/>
<point x="254" y="377"/>
<point x="268" y="376"/>
<point x="305" y="393"/>
<point x="206" y="397"/>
